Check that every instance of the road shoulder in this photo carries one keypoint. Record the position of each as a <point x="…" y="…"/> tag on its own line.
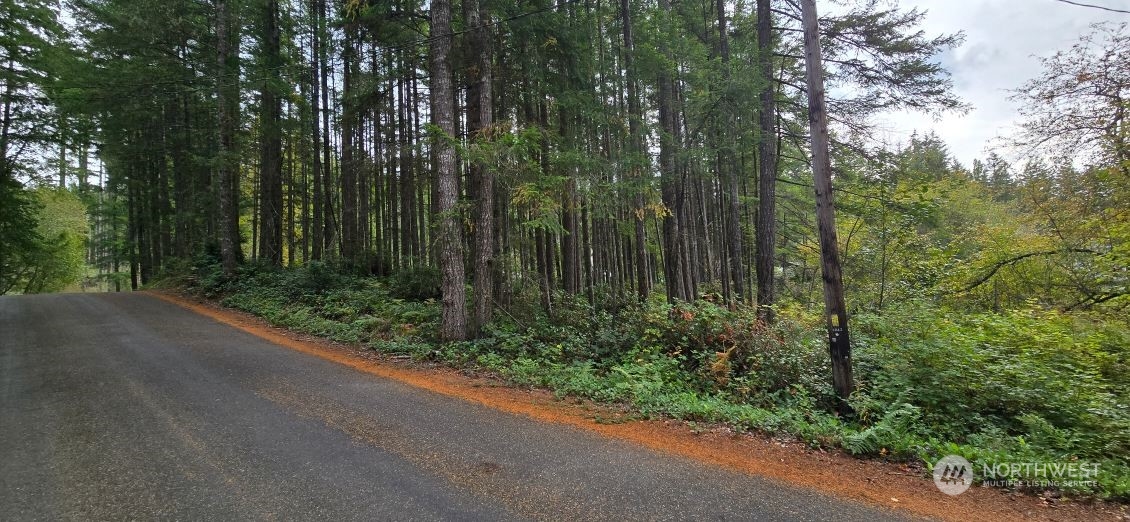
<point x="871" y="482"/>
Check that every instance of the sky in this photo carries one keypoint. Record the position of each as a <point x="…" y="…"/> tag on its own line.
<point x="1004" y="40"/>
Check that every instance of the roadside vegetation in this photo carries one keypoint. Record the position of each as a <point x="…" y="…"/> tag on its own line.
<point x="43" y="238"/>
<point x="1025" y="385"/>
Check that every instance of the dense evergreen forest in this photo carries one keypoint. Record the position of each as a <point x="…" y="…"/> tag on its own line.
<point x="611" y="199"/>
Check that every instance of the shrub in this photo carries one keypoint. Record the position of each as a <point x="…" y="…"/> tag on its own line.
<point x="417" y="281"/>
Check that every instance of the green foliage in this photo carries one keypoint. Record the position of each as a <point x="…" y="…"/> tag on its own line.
<point x="896" y="432"/>
<point x="1021" y="386"/>
<point x="321" y="300"/>
<point x="419" y="281"/>
<point x="44" y="235"/>
<point x="19" y="240"/>
<point x="30" y="37"/>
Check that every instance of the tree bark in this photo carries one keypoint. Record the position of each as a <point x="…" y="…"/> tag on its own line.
<point x="635" y="153"/>
<point x="182" y="185"/>
<point x="569" y="270"/>
<point x="453" y="320"/>
<point x="270" y="145"/>
<point x="480" y="118"/>
<point x="227" y="102"/>
<point x="670" y="185"/>
<point x="348" y="177"/>
<point x="327" y="150"/>
<point x="407" y="185"/>
<point x="834" y="306"/>
<point x="62" y="158"/>
<point x="317" y="224"/>
<point x="767" y="168"/>
<point x="728" y="167"/>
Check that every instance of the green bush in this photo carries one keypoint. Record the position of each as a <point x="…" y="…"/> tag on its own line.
<point x="418" y="281"/>
<point x="1019" y="386"/>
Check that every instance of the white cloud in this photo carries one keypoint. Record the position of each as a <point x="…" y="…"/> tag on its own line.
<point x="1004" y="41"/>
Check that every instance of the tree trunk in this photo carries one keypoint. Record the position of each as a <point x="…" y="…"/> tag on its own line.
<point x="420" y="241"/>
<point x="767" y="168"/>
<point x="837" y="320"/>
<point x="327" y="150"/>
<point x="569" y="269"/>
<point x="407" y="186"/>
<point x="182" y="185"/>
<point x="62" y="158"/>
<point x="133" y="224"/>
<point x="480" y="118"/>
<point x="270" y="145"/>
<point x="348" y="160"/>
<point x="318" y="224"/>
<point x="636" y="154"/>
<point x="227" y="102"/>
<point x="453" y="321"/>
<point x="394" y="229"/>
<point x="83" y="167"/>
<point x="727" y="165"/>
<point x="163" y="206"/>
<point x="671" y="187"/>
<point x="290" y="184"/>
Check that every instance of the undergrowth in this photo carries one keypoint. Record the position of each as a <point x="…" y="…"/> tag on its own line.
<point x="1026" y="386"/>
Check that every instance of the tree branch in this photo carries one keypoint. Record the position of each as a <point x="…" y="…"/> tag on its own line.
<point x="1013" y="260"/>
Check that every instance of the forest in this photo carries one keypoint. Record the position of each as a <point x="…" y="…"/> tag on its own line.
<point x="626" y="202"/>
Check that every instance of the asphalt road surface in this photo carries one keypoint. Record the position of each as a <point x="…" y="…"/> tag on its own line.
<point x="123" y="406"/>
